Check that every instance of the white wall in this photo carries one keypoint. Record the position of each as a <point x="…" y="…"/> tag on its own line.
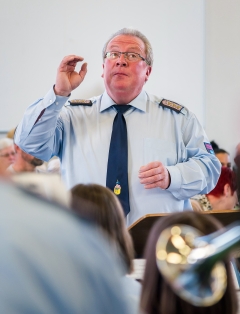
<point x="223" y="72"/>
<point x="36" y="34"/>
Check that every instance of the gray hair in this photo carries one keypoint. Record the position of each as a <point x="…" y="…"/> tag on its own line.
<point x="5" y="142"/>
<point x="135" y="33"/>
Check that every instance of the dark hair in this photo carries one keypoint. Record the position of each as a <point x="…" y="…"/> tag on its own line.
<point x="157" y="296"/>
<point x="101" y="205"/>
<point x="227" y="176"/>
<point x="220" y="151"/>
<point x="214" y="145"/>
<point x="217" y="149"/>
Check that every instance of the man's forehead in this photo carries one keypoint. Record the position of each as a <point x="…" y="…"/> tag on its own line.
<point x="129" y="41"/>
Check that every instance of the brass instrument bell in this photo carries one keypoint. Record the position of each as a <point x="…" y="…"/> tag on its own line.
<point x="192" y="263"/>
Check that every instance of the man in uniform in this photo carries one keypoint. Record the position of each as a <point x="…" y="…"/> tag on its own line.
<point x="170" y="158"/>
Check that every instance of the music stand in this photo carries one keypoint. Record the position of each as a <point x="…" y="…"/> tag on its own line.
<point x="140" y="229"/>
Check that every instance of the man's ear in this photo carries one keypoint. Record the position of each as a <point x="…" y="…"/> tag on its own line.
<point x="148" y="72"/>
<point x="16" y="148"/>
<point x="227" y="190"/>
<point x="103" y="70"/>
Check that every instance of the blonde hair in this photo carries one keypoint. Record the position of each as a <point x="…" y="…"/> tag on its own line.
<point x="5" y="142"/>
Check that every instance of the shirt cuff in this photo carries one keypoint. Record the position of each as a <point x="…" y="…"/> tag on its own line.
<point x="52" y="99"/>
<point x="176" y="180"/>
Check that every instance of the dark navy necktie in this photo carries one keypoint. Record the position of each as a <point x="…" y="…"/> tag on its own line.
<point x="117" y="170"/>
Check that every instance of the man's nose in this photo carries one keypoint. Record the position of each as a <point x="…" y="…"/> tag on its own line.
<point x="121" y="61"/>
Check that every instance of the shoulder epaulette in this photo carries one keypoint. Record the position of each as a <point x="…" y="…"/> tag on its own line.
<point x="171" y="105"/>
<point x="80" y="102"/>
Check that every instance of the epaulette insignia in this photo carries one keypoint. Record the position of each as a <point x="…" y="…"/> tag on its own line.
<point x="80" y="102"/>
<point x="171" y="105"/>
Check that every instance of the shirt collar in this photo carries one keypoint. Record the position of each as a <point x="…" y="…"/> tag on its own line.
<point x="140" y="102"/>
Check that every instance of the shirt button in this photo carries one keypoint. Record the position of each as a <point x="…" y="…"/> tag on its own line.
<point x="50" y="101"/>
<point x="56" y="103"/>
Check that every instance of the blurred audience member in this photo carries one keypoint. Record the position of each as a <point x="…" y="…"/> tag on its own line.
<point x="7" y="153"/>
<point x="237" y="156"/>
<point x="222" y="197"/>
<point x="11" y="133"/>
<point x="46" y="185"/>
<point x="24" y="162"/>
<point x="157" y="296"/>
<point x="222" y="155"/>
<point x="54" y="166"/>
<point x="106" y="211"/>
<point x="52" y="262"/>
<point x="237" y="167"/>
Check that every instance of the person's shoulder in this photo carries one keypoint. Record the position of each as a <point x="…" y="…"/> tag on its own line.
<point x="169" y="105"/>
<point x="10" y="170"/>
<point x="82" y="102"/>
<point x="196" y="205"/>
<point x="200" y="202"/>
<point x="78" y="107"/>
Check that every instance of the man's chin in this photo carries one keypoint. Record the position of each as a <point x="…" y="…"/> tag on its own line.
<point x="121" y="86"/>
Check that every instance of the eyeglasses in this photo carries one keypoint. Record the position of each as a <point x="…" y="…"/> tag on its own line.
<point x="130" y="56"/>
<point x="7" y="154"/>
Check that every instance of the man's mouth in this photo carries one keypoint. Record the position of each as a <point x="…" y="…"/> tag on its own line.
<point x="120" y="73"/>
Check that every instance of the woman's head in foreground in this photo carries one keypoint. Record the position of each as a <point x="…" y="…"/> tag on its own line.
<point x="101" y="205"/>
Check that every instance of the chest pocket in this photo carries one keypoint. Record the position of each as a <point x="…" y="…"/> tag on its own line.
<point x="160" y="150"/>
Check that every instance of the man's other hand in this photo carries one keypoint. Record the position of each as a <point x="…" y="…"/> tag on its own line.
<point x="154" y="175"/>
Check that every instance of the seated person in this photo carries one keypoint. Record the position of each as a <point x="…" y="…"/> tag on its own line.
<point x="11" y="133"/>
<point x="54" y="166"/>
<point x="7" y="153"/>
<point x="106" y="211"/>
<point x="52" y="262"/>
<point x="222" y="155"/>
<point x="24" y="162"/>
<point x="237" y="166"/>
<point x="157" y="295"/>
<point x="222" y="197"/>
<point x="46" y="185"/>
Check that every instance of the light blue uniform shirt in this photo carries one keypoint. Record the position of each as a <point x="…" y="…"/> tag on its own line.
<point x="80" y="136"/>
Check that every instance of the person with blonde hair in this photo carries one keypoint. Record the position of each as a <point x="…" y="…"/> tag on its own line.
<point x="7" y="153"/>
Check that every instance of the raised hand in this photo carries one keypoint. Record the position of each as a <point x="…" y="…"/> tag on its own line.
<point x="67" y="78"/>
<point x="154" y="175"/>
